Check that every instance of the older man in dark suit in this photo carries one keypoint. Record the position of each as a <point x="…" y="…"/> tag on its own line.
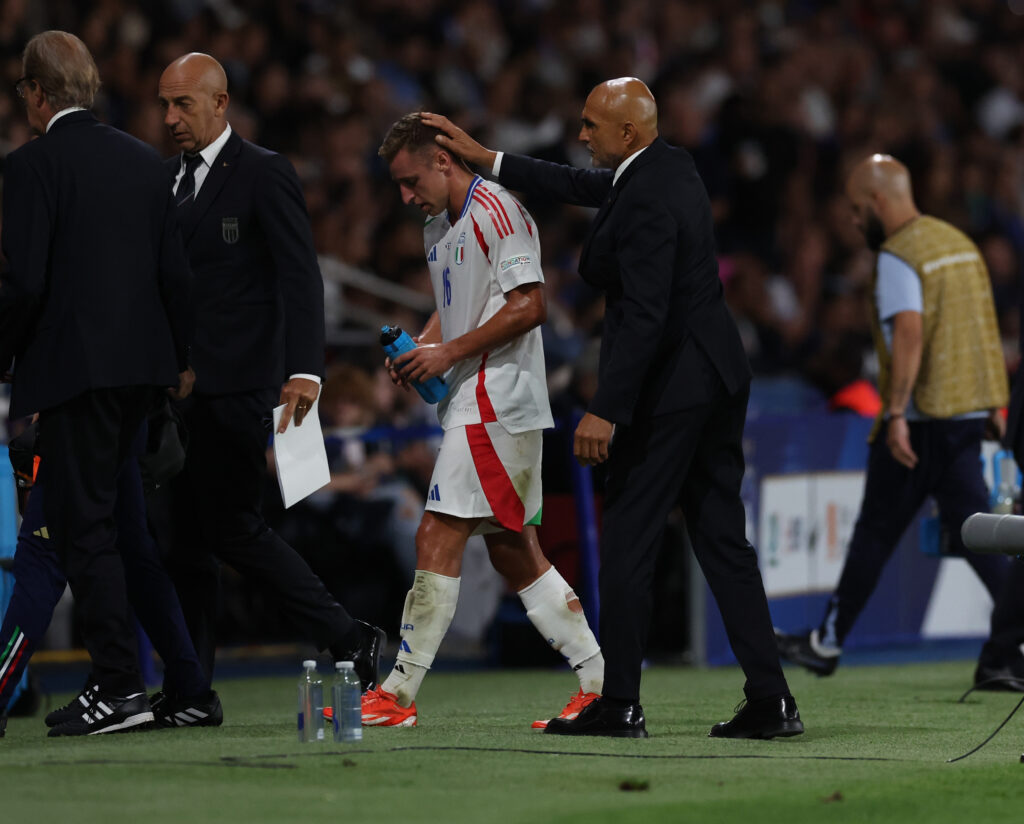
<point x="673" y="384"/>
<point x="258" y="302"/>
<point x="93" y="311"/>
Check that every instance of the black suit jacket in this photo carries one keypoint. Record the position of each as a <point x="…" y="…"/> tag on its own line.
<point x="258" y="295"/>
<point x="651" y="249"/>
<point x="96" y="292"/>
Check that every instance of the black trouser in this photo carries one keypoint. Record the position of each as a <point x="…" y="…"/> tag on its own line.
<point x="693" y="458"/>
<point x="949" y="469"/>
<point x="39" y="581"/>
<point x="1006" y="639"/>
<point x="217" y="511"/>
<point x="83" y="444"/>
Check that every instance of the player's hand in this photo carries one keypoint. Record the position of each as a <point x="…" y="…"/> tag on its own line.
<point x="426" y="361"/>
<point x="897" y="437"/>
<point x="298" y="395"/>
<point x="457" y="141"/>
<point x="395" y="375"/>
<point x="590" y="443"/>
<point x="186" y="380"/>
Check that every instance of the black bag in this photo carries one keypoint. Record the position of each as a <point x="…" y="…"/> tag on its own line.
<point x="165" y="447"/>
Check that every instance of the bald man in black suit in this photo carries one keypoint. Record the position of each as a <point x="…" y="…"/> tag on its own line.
<point x="259" y="315"/>
<point x="673" y="383"/>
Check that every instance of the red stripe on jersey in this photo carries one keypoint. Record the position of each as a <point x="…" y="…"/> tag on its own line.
<point x="526" y="220"/>
<point x="483" y="401"/>
<point x="505" y="502"/>
<point x="499" y="208"/>
<point x="498" y="226"/>
<point x="480" y="239"/>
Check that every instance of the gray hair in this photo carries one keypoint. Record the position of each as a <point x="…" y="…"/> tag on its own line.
<point x="62" y="66"/>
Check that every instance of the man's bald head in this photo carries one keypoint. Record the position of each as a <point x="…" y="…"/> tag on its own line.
<point x="620" y="117"/>
<point x="194" y="96"/>
<point x="881" y="195"/>
<point x="199" y="69"/>
<point x="881" y="174"/>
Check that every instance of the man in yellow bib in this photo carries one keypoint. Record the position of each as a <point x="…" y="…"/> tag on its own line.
<point x="942" y="380"/>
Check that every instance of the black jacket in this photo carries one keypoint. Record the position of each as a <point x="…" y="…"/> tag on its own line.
<point x="96" y="292"/>
<point x="258" y="295"/>
<point x="651" y="250"/>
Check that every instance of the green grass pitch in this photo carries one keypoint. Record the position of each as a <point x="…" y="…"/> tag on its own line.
<point x="875" y="750"/>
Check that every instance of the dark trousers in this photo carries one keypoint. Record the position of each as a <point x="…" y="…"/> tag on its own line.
<point x="1005" y="642"/>
<point x="83" y="444"/>
<point x="216" y="505"/>
<point x="39" y="582"/>
<point x="693" y="458"/>
<point x="948" y="469"/>
<point x="1006" y="639"/>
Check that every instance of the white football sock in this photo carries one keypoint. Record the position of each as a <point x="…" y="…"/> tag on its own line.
<point x="429" y="608"/>
<point x="547" y="606"/>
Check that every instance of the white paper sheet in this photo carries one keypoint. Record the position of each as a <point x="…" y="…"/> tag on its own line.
<point x="300" y="457"/>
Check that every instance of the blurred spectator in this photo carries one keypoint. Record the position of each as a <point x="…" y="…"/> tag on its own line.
<point x="774" y="100"/>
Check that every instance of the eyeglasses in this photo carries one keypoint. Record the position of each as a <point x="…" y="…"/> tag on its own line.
<point x="19" y="85"/>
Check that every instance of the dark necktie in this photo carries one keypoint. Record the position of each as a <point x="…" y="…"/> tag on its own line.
<point x="187" y="185"/>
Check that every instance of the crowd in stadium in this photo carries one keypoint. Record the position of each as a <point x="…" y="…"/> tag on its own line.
<point x="775" y="100"/>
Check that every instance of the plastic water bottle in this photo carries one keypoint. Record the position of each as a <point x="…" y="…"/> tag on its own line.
<point x="347" y="703"/>
<point x="311" y="704"/>
<point x="396" y="342"/>
<point x="1006" y="490"/>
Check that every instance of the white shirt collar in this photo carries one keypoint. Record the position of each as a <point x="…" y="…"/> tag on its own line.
<point x="61" y="114"/>
<point x="622" y="166"/>
<point x="209" y="154"/>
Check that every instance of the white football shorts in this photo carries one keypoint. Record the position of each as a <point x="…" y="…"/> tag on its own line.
<point x="483" y="471"/>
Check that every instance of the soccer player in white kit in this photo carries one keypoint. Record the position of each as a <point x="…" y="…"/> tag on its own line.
<point x="484" y="340"/>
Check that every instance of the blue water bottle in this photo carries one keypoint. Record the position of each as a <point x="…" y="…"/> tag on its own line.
<point x="396" y="342"/>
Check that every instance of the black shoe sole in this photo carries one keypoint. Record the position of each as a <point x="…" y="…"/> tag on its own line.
<point x="61" y="731"/>
<point x="602" y="734"/>
<point x="999" y="685"/>
<point x="786" y="729"/>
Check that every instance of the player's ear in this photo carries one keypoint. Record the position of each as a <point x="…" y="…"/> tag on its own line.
<point x="442" y="160"/>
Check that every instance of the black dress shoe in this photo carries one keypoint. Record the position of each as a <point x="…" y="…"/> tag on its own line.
<point x="800" y="649"/>
<point x="765" y="718"/>
<point x="1006" y="678"/>
<point x="366" y="654"/>
<point x="600" y="717"/>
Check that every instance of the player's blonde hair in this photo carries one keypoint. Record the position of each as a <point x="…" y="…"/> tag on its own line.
<point x="411" y="133"/>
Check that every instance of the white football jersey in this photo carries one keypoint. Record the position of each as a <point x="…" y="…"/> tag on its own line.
<point x="490" y="249"/>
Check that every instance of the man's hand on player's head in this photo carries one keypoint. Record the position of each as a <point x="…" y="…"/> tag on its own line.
<point x="458" y="142"/>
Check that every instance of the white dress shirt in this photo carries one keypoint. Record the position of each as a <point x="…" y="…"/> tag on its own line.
<point x="61" y="114"/>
